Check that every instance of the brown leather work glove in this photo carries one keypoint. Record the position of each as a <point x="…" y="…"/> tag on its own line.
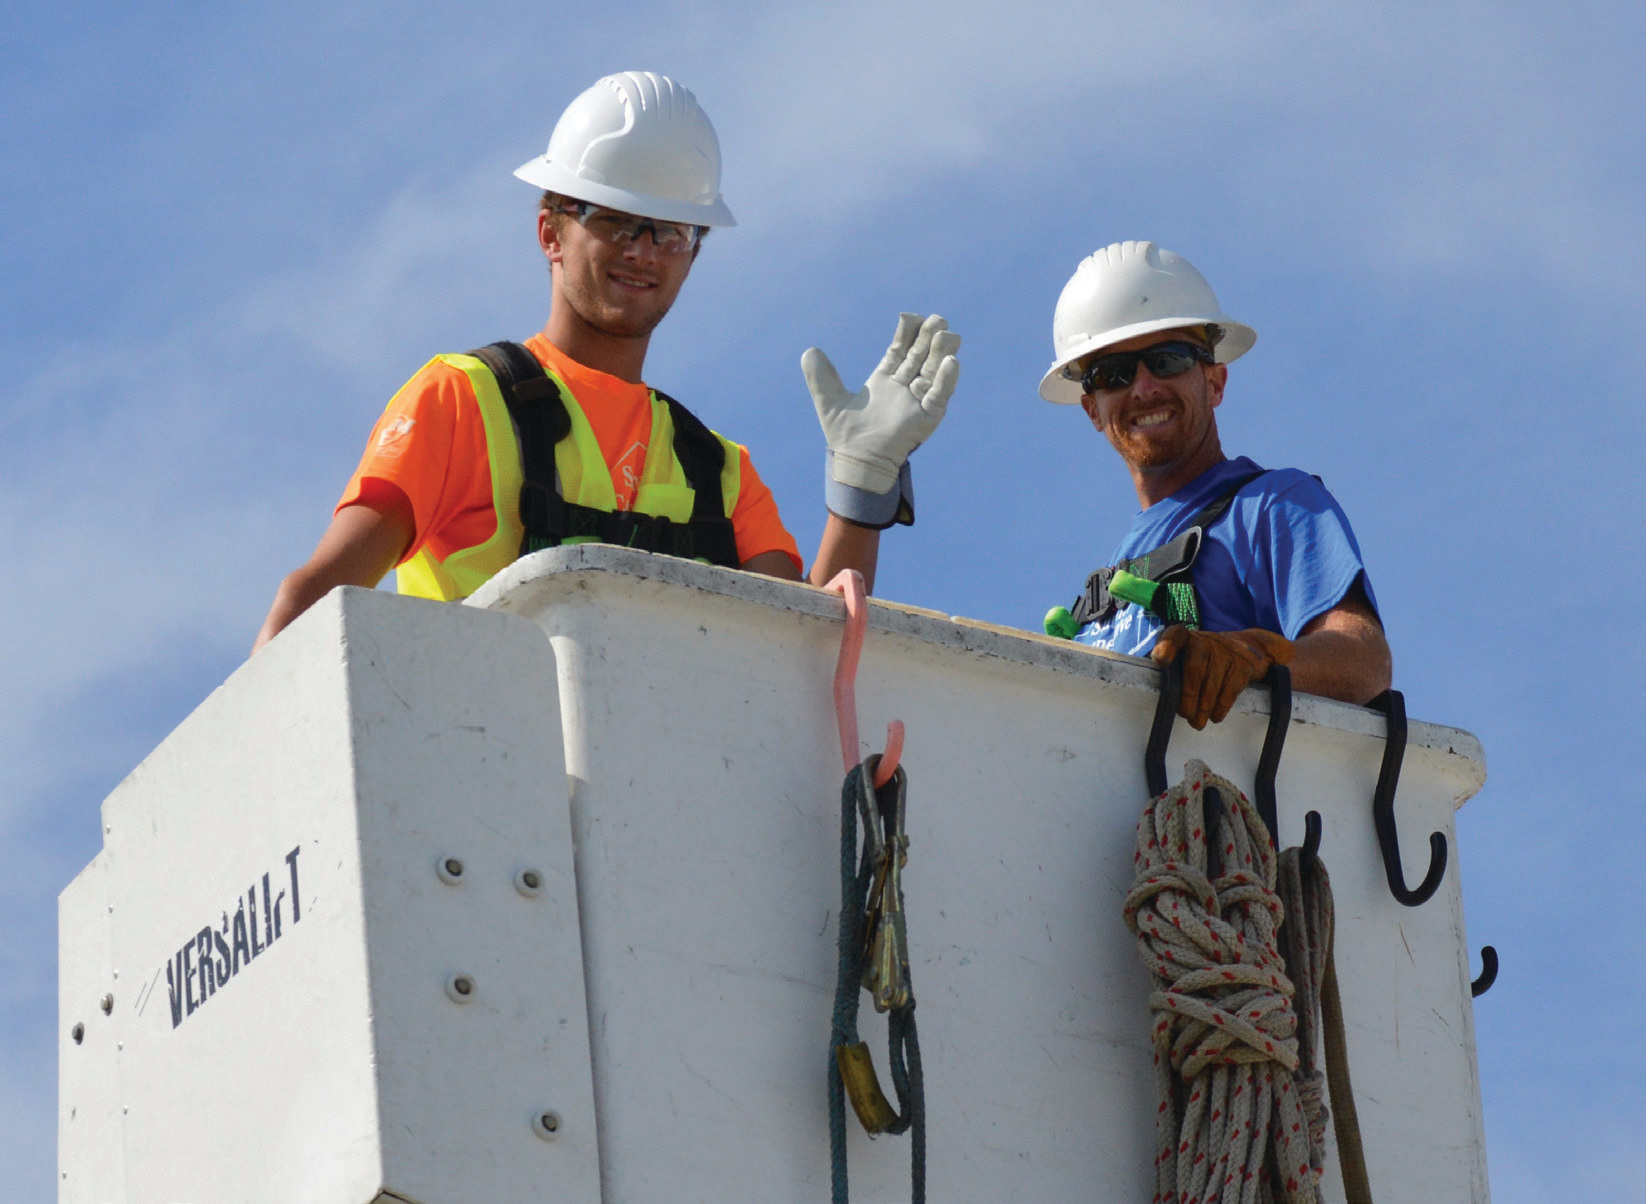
<point x="1218" y="665"/>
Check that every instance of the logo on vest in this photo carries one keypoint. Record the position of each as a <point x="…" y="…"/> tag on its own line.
<point x="395" y="431"/>
<point x="626" y="475"/>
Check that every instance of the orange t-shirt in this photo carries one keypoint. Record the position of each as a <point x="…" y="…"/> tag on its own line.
<point x="430" y="446"/>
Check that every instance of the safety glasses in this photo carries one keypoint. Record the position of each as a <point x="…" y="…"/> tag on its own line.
<point x="1164" y="360"/>
<point x="621" y="229"/>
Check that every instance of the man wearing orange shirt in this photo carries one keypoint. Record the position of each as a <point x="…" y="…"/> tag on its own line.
<point x="485" y="456"/>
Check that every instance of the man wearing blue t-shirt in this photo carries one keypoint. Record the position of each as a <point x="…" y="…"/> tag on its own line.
<point x="1236" y="567"/>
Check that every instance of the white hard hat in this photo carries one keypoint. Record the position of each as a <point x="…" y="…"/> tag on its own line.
<point x="1129" y="289"/>
<point x="636" y="141"/>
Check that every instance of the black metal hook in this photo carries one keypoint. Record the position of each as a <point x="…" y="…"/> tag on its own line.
<point x="1274" y="742"/>
<point x="1268" y="764"/>
<point x="1488" y="972"/>
<point x="1311" y="836"/>
<point x="1154" y="762"/>
<point x="1211" y="819"/>
<point x="1160" y="733"/>
<point x="1393" y="704"/>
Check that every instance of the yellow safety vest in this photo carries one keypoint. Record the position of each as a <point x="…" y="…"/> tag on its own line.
<point x="585" y="479"/>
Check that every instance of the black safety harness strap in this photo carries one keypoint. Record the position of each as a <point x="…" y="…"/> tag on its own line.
<point x="542" y="420"/>
<point x="1171" y="564"/>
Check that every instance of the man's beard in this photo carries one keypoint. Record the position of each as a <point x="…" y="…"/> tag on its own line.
<point x="612" y="320"/>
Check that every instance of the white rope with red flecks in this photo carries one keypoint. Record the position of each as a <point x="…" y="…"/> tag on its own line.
<point x="1231" y="1126"/>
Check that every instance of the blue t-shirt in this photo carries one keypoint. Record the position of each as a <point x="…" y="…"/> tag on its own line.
<point x="1282" y="554"/>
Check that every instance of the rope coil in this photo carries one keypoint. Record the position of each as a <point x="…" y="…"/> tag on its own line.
<point x="1232" y="1125"/>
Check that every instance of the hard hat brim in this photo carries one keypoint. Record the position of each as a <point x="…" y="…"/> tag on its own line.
<point x="551" y="177"/>
<point x="1055" y="387"/>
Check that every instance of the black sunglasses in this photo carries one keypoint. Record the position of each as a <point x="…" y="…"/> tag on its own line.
<point x="1163" y="360"/>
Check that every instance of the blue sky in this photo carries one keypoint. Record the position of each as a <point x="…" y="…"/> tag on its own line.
<point x="232" y="232"/>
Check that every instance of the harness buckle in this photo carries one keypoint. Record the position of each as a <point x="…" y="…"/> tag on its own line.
<point x="1095" y="603"/>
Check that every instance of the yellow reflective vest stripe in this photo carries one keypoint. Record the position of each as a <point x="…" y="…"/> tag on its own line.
<point x="584" y="479"/>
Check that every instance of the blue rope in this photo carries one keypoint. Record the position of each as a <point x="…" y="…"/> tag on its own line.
<point x="908" y="1080"/>
<point x="854" y="884"/>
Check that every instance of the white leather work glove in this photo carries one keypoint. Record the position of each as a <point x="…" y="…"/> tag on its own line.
<point x="872" y="432"/>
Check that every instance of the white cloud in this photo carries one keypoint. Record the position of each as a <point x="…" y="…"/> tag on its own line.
<point x="149" y="481"/>
<point x="427" y="261"/>
<point x="1404" y="140"/>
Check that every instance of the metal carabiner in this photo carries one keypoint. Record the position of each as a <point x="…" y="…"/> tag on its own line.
<point x="886" y="946"/>
<point x="877" y="857"/>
